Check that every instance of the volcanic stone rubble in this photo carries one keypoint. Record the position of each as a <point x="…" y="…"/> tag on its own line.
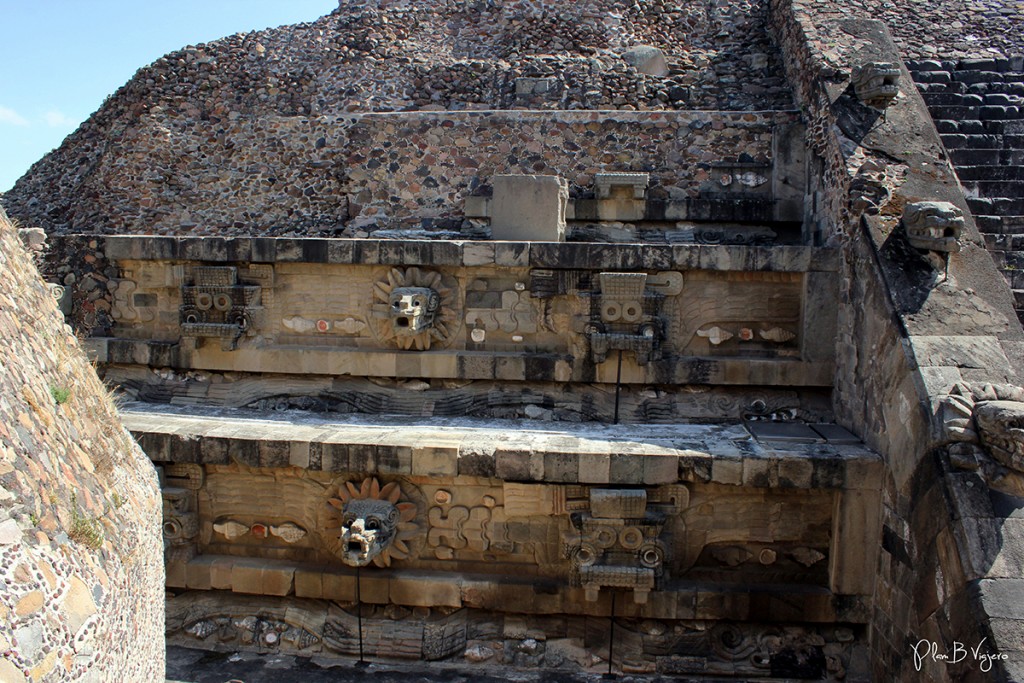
<point x="744" y="401"/>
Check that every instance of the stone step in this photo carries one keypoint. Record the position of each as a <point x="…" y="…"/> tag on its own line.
<point x="1014" y="276"/>
<point x="1013" y="88"/>
<point x="933" y="76"/>
<point x="986" y="157"/>
<point x="989" y="173"/>
<point x="1009" y="243"/>
<point x="983" y="140"/>
<point x="958" y="140"/>
<point x="1000" y="127"/>
<point x="1000" y="225"/>
<point x="941" y="88"/>
<point x="982" y="89"/>
<point x="989" y="206"/>
<point x="982" y="113"/>
<point x="948" y="98"/>
<point x="994" y="189"/>
<point x="976" y="76"/>
<point x="998" y="64"/>
<point x="1018" y="300"/>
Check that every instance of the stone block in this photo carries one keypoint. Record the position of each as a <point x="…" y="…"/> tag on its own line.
<point x="715" y="605"/>
<point x="519" y="465"/>
<point x="339" y="587"/>
<point x="362" y="457"/>
<point x="419" y="591"/>
<point x="274" y="453"/>
<point x="477" y="254"/>
<point x="374" y="589"/>
<point x="511" y="368"/>
<point x="220" y="573"/>
<point x="394" y="459"/>
<point x="727" y="470"/>
<point x="435" y="462"/>
<point x="298" y="454"/>
<point x="278" y="580"/>
<point x="647" y="60"/>
<point x="1002" y="598"/>
<point x="512" y="254"/>
<point x="476" y="465"/>
<point x="661" y="469"/>
<point x="247" y="576"/>
<point x="561" y="467"/>
<point x="833" y="433"/>
<point x="177" y="574"/>
<point x="760" y="472"/>
<point x="856" y="528"/>
<point x="335" y="457"/>
<point x="197" y="573"/>
<point x="618" y="503"/>
<point x="243" y="452"/>
<point x="626" y="469"/>
<point x="595" y="468"/>
<point x="529" y="208"/>
<point x="795" y="472"/>
<point x="789" y="432"/>
<point x="309" y="584"/>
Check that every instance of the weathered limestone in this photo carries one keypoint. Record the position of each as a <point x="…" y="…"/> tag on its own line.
<point x="529" y="208"/>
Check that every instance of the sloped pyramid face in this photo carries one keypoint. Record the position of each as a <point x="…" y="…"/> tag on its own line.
<point x="177" y="127"/>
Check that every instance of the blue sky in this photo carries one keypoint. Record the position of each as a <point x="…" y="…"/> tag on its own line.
<point x="60" y="58"/>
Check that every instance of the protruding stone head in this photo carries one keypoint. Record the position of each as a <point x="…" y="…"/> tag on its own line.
<point x="368" y="527"/>
<point x="876" y="84"/>
<point x="412" y="309"/>
<point x="1001" y="427"/>
<point x="933" y="226"/>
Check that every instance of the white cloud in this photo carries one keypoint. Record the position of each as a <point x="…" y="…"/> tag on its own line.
<point x="12" y="117"/>
<point x="58" y="119"/>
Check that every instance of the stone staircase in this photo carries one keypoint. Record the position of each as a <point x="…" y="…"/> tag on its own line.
<point x="978" y="108"/>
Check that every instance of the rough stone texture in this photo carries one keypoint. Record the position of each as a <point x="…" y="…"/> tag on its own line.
<point x="976" y="104"/>
<point x="940" y="29"/>
<point x="351" y="175"/>
<point x="937" y="539"/>
<point x="355" y="125"/>
<point x="191" y="116"/>
<point x="80" y="549"/>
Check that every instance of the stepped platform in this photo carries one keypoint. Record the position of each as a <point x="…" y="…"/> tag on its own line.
<point x="978" y="107"/>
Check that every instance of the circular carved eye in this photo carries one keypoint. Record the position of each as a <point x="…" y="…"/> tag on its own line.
<point x="632" y="312"/>
<point x="417" y="303"/>
<point x="631" y="537"/>
<point x="396" y="305"/>
<point x="372" y="523"/>
<point x="651" y="556"/>
<point x="611" y="311"/>
<point x="204" y="301"/>
<point x="347" y="521"/>
<point x="222" y="302"/>
<point x="585" y="555"/>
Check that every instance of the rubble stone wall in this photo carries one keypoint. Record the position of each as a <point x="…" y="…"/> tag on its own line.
<point x="81" y="556"/>
<point x="290" y="175"/>
<point x="941" y="29"/>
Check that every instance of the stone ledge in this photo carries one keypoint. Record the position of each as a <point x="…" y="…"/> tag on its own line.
<point x="678" y="599"/>
<point x="596" y="256"/>
<point x="473" y="365"/>
<point x="546" y="452"/>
